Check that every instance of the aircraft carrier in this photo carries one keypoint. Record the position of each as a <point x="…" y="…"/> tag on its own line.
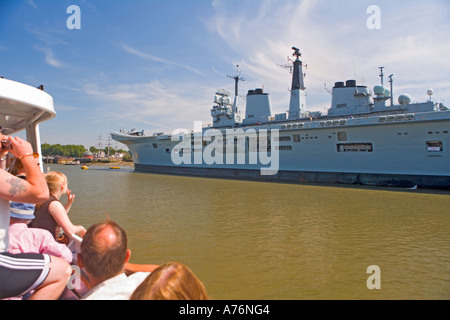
<point x="365" y="138"/>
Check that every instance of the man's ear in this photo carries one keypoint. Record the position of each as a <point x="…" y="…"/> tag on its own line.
<point x="128" y="256"/>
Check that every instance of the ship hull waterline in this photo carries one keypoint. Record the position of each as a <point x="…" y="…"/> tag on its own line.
<point x="305" y="177"/>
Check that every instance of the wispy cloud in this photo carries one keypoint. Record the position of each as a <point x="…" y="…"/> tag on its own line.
<point x="33" y="4"/>
<point x="153" y="58"/>
<point x="50" y="58"/>
<point x="155" y="104"/>
<point x="49" y="39"/>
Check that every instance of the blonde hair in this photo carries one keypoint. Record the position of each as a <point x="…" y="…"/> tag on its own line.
<point x="55" y="180"/>
<point x="171" y="281"/>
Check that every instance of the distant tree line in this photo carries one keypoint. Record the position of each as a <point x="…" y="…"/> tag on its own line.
<point x="69" y="150"/>
<point x="74" y="151"/>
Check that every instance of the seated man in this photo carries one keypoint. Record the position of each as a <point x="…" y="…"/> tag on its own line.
<point x="32" y="240"/>
<point x="104" y="256"/>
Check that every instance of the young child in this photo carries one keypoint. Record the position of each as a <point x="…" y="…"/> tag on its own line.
<point x="32" y="240"/>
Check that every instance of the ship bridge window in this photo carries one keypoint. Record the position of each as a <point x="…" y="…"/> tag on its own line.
<point x="354" y="147"/>
<point x="434" y="146"/>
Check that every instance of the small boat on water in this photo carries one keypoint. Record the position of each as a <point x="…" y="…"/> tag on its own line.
<point x="84" y="167"/>
<point x="114" y="167"/>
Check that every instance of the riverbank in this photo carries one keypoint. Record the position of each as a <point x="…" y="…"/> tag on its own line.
<point x="114" y="164"/>
<point x="110" y="163"/>
<point x="92" y="165"/>
<point x="87" y="161"/>
<point x="106" y="164"/>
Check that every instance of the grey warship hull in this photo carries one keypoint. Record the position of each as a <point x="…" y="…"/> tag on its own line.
<point x="365" y="151"/>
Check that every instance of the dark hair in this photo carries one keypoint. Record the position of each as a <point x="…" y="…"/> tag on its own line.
<point x="104" y="260"/>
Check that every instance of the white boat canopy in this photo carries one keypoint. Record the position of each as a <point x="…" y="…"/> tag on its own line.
<point x="23" y="107"/>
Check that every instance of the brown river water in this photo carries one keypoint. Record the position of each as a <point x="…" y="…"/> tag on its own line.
<point x="271" y="241"/>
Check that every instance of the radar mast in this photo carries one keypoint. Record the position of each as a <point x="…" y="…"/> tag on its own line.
<point x="236" y="78"/>
<point x="298" y="95"/>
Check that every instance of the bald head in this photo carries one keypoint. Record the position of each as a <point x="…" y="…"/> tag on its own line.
<point x="104" y="250"/>
<point x="106" y="237"/>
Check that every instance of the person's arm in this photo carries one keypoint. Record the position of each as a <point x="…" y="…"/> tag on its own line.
<point x="59" y="213"/>
<point x="32" y="190"/>
<point x="70" y="199"/>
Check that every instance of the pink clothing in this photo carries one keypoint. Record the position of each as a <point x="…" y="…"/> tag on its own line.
<point x="33" y="240"/>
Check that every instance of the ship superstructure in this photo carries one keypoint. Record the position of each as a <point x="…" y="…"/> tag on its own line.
<point x="363" y="139"/>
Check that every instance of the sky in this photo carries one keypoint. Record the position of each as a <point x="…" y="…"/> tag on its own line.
<point x="155" y="65"/>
